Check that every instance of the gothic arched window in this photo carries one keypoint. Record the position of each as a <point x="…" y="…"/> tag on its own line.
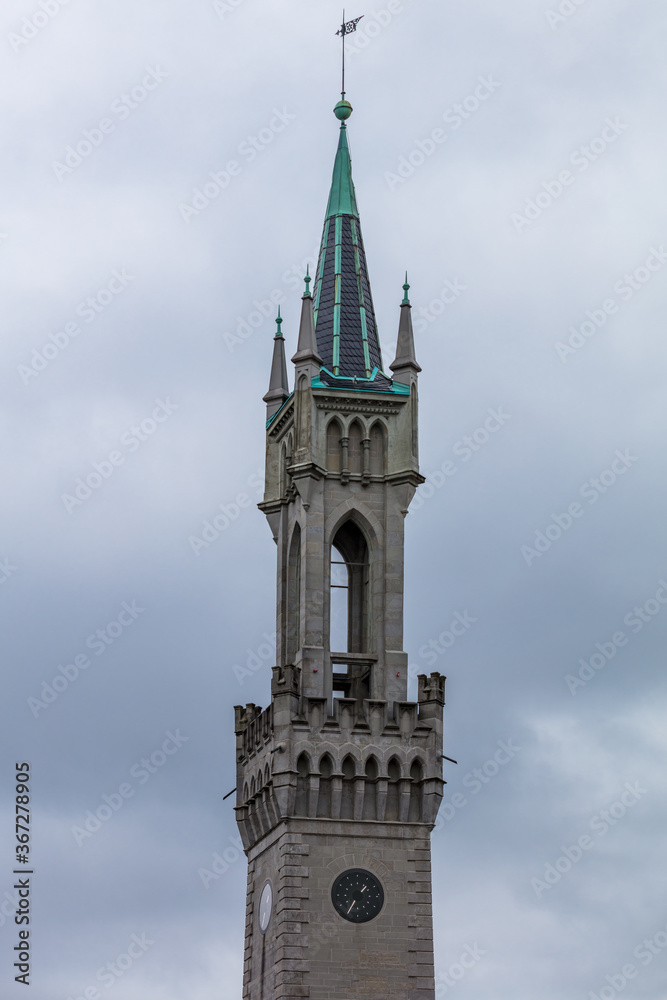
<point x="340" y="585"/>
<point x="302" y="773"/>
<point x="355" y="457"/>
<point x="394" y="773"/>
<point x="347" y="796"/>
<point x="349" y="591"/>
<point x="370" y="789"/>
<point x="334" y="435"/>
<point x="294" y="596"/>
<point x="416" y="778"/>
<point x="377" y="450"/>
<point x="324" y="795"/>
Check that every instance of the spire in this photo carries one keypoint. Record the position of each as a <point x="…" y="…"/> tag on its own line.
<point x="405" y="361"/>
<point x="342" y="200"/>
<point x="306" y="350"/>
<point x="343" y="306"/>
<point x="278" y="384"/>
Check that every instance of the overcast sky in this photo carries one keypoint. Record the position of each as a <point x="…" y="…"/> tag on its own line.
<point x="510" y="156"/>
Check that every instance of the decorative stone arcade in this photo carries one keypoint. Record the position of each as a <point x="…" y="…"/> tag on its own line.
<point x="340" y="778"/>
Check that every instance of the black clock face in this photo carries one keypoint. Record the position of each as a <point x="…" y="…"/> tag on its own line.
<point x="357" y="895"/>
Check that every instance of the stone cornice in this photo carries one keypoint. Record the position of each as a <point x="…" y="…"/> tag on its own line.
<point x="359" y="403"/>
<point x="346" y="829"/>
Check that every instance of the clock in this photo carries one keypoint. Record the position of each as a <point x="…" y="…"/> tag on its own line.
<point x="265" y="906"/>
<point x="357" y="895"/>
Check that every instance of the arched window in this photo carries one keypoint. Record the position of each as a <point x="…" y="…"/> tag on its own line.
<point x="324" y="795"/>
<point x="339" y="601"/>
<point x="294" y="596"/>
<point x="302" y="773"/>
<point x="394" y="773"/>
<point x="416" y="778"/>
<point x="347" y="795"/>
<point x="370" y="789"/>
<point x="377" y="450"/>
<point x="349" y="578"/>
<point x="334" y="435"/>
<point x="355" y="456"/>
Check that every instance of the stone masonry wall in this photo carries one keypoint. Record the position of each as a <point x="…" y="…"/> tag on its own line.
<point x="309" y="950"/>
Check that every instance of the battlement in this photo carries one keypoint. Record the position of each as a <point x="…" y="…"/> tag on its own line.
<point x="339" y="759"/>
<point x="253" y="727"/>
<point x="413" y="720"/>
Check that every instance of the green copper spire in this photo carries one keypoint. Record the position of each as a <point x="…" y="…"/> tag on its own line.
<point x="406" y="289"/>
<point x="342" y="200"/>
<point x="343" y="312"/>
<point x="307" y="279"/>
<point x="279" y="320"/>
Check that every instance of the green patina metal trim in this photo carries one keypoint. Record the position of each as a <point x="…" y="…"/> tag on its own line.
<point x="320" y="273"/>
<point x="360" y="293"/>
<point x="336" y="324"/>
<point x="342" y="199"/>
<point x="364" y="336"/>
<point x="401" y="389"/>
<point x="338" y="267"/>
<point x="274" y="415"/>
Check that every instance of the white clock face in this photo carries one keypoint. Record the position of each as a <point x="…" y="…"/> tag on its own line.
<point x="265" y="905"/>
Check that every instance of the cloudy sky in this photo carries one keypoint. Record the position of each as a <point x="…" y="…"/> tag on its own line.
<point x="165" y="173"/>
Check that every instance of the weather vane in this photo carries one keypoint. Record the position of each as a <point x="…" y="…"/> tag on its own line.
<point x="346" y="28"/>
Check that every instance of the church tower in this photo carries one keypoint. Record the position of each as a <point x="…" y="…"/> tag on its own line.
<point x="339" y="780"/>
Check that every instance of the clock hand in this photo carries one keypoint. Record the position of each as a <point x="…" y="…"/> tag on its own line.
<point x="353" y="902"/>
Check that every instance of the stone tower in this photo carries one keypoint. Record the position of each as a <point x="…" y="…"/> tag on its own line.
<point x="339" y="780"/>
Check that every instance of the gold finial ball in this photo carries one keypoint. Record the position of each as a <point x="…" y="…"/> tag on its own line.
<point x="343" y="110"/>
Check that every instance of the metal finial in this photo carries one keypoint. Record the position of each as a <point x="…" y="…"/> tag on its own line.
<point x="279" y="332"/>
<point x="307" y="279"/>
<point x="406" y="289"/>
